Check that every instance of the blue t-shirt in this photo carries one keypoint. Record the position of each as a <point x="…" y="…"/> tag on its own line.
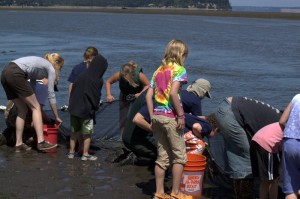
<point x="190" y="120"/>
<point x="191" y="103"/>
<point x="77" y="70"/>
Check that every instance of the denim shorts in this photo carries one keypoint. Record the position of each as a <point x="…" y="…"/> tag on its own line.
<point x="291" y="165"/>
<point x="237" y="145"/>
<point x="171" y="145"/>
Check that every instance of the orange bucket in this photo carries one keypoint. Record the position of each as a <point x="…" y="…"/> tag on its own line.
<point x="193" y="175"/>
<point x="196" y="158"/>
<point x="194" y="164"/>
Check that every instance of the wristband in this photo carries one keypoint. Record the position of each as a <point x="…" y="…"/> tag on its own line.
<point x="180" y="116"/>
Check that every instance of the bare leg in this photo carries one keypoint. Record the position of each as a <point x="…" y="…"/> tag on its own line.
<point x="264" y="189"/>
<point x="34" y="105"/>
<point x="20" y="120"/>
<point x="273" y="189"/>
<point x="73" y="140"/>
<point x="159" y="179"/>
<point x="80" y="142"/>
<point x="177" y="175"/>
<point x="86" y="144"/>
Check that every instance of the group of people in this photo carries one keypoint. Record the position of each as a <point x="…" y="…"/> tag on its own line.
<point x="155" y="115"/>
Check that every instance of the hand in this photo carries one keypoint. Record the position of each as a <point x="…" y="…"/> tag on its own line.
<point x="110" y="98"/>
<point x="180" y="123"/>
<point x="58" y="121"/>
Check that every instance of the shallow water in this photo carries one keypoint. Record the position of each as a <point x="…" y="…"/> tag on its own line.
<point x="257" y="58"/>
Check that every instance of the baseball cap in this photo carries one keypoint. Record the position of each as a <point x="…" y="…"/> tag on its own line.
<point x="201" y="87"/>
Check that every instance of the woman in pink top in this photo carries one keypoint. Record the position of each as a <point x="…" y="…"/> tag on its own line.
<point x="264" y="152"/>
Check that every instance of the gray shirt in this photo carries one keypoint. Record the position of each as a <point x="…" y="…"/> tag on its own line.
<point x="38" y="68"/>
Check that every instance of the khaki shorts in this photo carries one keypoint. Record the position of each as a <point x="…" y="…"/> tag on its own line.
<point x="85" y="126"/>
<point x="171" y="146"/>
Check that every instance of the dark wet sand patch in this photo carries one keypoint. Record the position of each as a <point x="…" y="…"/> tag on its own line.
<point x="52" y="175"/>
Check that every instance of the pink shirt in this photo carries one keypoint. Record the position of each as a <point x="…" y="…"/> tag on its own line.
<point x="269" y="137"/>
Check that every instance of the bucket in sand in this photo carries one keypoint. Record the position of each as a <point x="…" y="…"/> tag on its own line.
<point x="193" y="175"/>
<point x="50" y="135"/>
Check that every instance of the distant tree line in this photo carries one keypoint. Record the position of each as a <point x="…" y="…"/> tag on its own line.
<point x="209" y="4"/>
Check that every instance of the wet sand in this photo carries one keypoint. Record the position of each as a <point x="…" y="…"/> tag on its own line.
<point x="172" y="11"/>
<point x="52" y="175"/>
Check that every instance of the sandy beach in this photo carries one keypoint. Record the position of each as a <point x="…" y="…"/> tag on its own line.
<point x="52" y="175"/>
<point x="169" y="11"/>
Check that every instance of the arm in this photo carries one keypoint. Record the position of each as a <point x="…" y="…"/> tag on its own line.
<point x="176" y="104"/>
<point x="69" y="90"/>
<point x="55" y="113"/>
<point x="285" y="116"/>
<point x="145" y="81"/>
<point x="140" y="121"/>
<point x="114" y="78"/>
<point x="51" y="94"/>
<point x="149" y="101"/>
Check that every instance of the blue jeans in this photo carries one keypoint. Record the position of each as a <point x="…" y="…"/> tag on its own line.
<point x="237" y="145"/>
<point x="291" y="165"/>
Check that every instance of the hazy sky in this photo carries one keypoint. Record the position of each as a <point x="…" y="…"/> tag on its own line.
<point x="271" y="3"/>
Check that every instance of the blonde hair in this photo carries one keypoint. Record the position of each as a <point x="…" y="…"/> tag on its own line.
<point x="89" y="53"/>
<point x="128" y="73"/>
<point x="176" y="51"/>
<point x="57" y="62"/>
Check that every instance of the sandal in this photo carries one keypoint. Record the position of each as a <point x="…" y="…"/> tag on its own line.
<point x="161" y="196"/>
<point x="180" y="195"/>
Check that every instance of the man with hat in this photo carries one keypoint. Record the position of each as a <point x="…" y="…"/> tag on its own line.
<point x="192" y="96"/>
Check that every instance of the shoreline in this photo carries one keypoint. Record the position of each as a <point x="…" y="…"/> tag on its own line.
<point x="162" y="11"/>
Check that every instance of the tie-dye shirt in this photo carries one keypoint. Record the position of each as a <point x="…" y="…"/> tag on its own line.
<point x="161" y="83"/>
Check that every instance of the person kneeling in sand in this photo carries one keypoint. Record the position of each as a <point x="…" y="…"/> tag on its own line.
<point x="195" y="130"/>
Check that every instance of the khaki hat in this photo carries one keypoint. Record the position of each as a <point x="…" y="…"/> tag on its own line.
<point x="201" y="87"/>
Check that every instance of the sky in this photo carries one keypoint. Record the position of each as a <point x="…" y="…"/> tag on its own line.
<point x="266" y="3"/>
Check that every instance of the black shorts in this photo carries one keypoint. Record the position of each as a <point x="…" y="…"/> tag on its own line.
<point x="265" y="165"/>
<point x="14" y="82"/>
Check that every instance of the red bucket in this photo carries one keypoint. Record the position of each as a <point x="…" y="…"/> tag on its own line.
<point x="50" y="135"/>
